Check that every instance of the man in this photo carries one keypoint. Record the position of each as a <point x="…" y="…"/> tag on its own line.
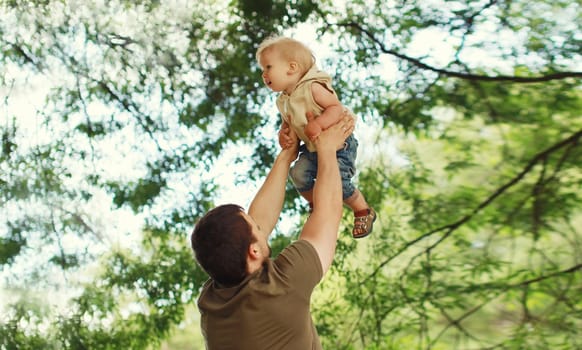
<point x="252" y="301"/>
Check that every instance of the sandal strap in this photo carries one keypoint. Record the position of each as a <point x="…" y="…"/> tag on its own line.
<point x="363" y="225"/>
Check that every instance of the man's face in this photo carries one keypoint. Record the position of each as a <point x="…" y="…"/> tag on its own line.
<point x="259" y="236"/>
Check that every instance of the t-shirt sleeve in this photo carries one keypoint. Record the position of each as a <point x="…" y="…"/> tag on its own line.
<point x="299" y="266"/>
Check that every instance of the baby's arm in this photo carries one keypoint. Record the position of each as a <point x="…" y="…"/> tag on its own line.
<point x="331" y="114"/>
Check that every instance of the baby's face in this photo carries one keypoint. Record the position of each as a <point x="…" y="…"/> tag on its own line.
<point x="276" y="71"/>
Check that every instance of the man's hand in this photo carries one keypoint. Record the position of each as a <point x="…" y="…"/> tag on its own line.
<point x="335" y="136"/>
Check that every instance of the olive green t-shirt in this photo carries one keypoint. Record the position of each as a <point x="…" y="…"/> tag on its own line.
<point x="269" y="309"/>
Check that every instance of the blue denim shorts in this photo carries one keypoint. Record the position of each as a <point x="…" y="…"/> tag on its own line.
<point x="304" y="171"/>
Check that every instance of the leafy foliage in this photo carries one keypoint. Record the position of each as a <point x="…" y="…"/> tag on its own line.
<point x="477" y="243"/>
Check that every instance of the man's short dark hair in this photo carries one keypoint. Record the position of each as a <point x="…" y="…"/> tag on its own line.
<point x="220" y="241"/>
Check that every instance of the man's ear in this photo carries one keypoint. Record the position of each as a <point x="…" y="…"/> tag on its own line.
<point x="253" y="250"/>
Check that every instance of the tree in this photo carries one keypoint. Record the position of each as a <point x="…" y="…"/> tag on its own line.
<point x="479" y="224"/>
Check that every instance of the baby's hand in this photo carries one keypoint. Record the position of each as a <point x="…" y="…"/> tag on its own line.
<point x="286" y="138"/>
<point x="312" y="129"/>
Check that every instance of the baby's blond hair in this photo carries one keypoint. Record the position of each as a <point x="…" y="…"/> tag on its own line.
<point x="290" y="49"/>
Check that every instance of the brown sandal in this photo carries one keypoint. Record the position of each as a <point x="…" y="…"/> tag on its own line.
<point x="363" y="225"/>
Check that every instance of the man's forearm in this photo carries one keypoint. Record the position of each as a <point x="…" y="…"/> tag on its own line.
<point x="327" y="193"/>
<point x="266" y="207"/>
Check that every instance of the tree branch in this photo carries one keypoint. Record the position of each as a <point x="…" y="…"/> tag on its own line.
<point x="465" y="76"/>
<point x="450" y="228"/>
<point x="456" y="322"/>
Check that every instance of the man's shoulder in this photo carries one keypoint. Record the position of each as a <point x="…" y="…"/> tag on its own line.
<point x="301" y="255"/>
<point x="298" y="265"/>
<point x="302" y="246"/>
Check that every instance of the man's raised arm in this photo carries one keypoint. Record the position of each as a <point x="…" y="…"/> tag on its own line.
<point x="266" y="207"/>
<point x="321" y="228"/>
